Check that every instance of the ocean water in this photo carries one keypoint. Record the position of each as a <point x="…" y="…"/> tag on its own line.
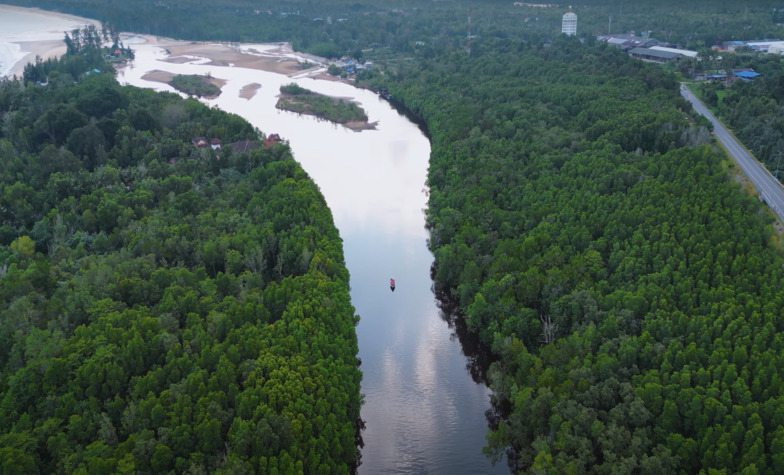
<point x="20" y="26"/>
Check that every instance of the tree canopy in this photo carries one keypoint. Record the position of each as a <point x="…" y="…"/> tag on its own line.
<point x="162" y="307"/>
<point x="579" y="215"/>
<point x="626" y="284"/>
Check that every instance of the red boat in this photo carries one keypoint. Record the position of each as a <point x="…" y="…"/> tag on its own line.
<point x="392" y="284"/>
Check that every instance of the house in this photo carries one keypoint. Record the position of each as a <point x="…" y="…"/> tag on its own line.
<point x="215" y="144"/>
<point x="273" y="138"/>
<point x="745" y="73"/>
<point x="200" y="142"/>
<point x="716" y="77"/>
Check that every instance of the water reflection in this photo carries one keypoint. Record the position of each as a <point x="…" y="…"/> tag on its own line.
<point x="478" y="356"/>
<point x="422" y="413"/>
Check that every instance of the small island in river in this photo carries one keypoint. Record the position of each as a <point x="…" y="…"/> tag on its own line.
<point x="194" y="84"/>
<point x="296" y="98"/>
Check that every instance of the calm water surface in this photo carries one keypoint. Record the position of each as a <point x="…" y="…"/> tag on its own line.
<point x="423" y="412"/>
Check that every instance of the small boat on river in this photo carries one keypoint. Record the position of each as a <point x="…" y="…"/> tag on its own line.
<point x="392" y="284"/>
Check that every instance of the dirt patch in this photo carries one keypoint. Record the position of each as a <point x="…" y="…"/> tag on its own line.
<point x="159" y="76"/>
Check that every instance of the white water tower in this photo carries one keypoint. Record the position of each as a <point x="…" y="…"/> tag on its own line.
<point x="569" y="23"/>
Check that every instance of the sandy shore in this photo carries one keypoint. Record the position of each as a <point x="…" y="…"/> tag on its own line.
<point x="276" y="58"/>
<point x="31" y="49"/>
<point x="46" y="42"/>
<point x="280" y="59"/>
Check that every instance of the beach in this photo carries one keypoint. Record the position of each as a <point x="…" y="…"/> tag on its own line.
<point x="278" y="58"/>
<point x="29" y="32"/>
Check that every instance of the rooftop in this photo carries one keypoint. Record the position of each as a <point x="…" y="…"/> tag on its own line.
<point x="654" y="53"/>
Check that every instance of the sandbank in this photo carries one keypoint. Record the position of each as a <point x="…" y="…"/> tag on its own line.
<point x="249" y="90"/>
<point x="276" y="58"/>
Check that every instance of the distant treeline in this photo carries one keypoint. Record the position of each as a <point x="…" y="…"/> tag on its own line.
<point x="163" y="308"/>
<point x="338" y="27"/>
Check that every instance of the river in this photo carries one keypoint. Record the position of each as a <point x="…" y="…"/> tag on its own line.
<point x="423" y="411"/>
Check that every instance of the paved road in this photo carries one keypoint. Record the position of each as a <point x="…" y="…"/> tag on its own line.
<point x="769" y="188"/>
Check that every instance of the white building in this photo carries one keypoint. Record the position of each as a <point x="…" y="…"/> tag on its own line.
<point x="776" y="48"/>
<point x="684" y="52"/>
<point x="569" y="24"/>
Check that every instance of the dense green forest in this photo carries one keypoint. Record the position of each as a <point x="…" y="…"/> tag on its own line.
<point x="627" y="285"/>
<point x="164" y="308"/>
<point x="580" y="216"/>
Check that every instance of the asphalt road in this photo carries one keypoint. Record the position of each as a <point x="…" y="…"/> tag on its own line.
<point x="768" y="187"/>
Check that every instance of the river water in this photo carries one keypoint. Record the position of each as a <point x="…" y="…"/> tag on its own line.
<point x="423" y="411"/>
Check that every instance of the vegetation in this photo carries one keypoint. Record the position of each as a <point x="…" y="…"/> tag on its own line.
<point x="160" y="309"/>
<point x="85" y="55"/>
<point x="578" y="214"/>
<point x="754" y="109"/>
<point x="378" y="29"/>
<point x="195" y="85"/>
<point x="295" y="98"/>
<point x="614" y="269"/>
